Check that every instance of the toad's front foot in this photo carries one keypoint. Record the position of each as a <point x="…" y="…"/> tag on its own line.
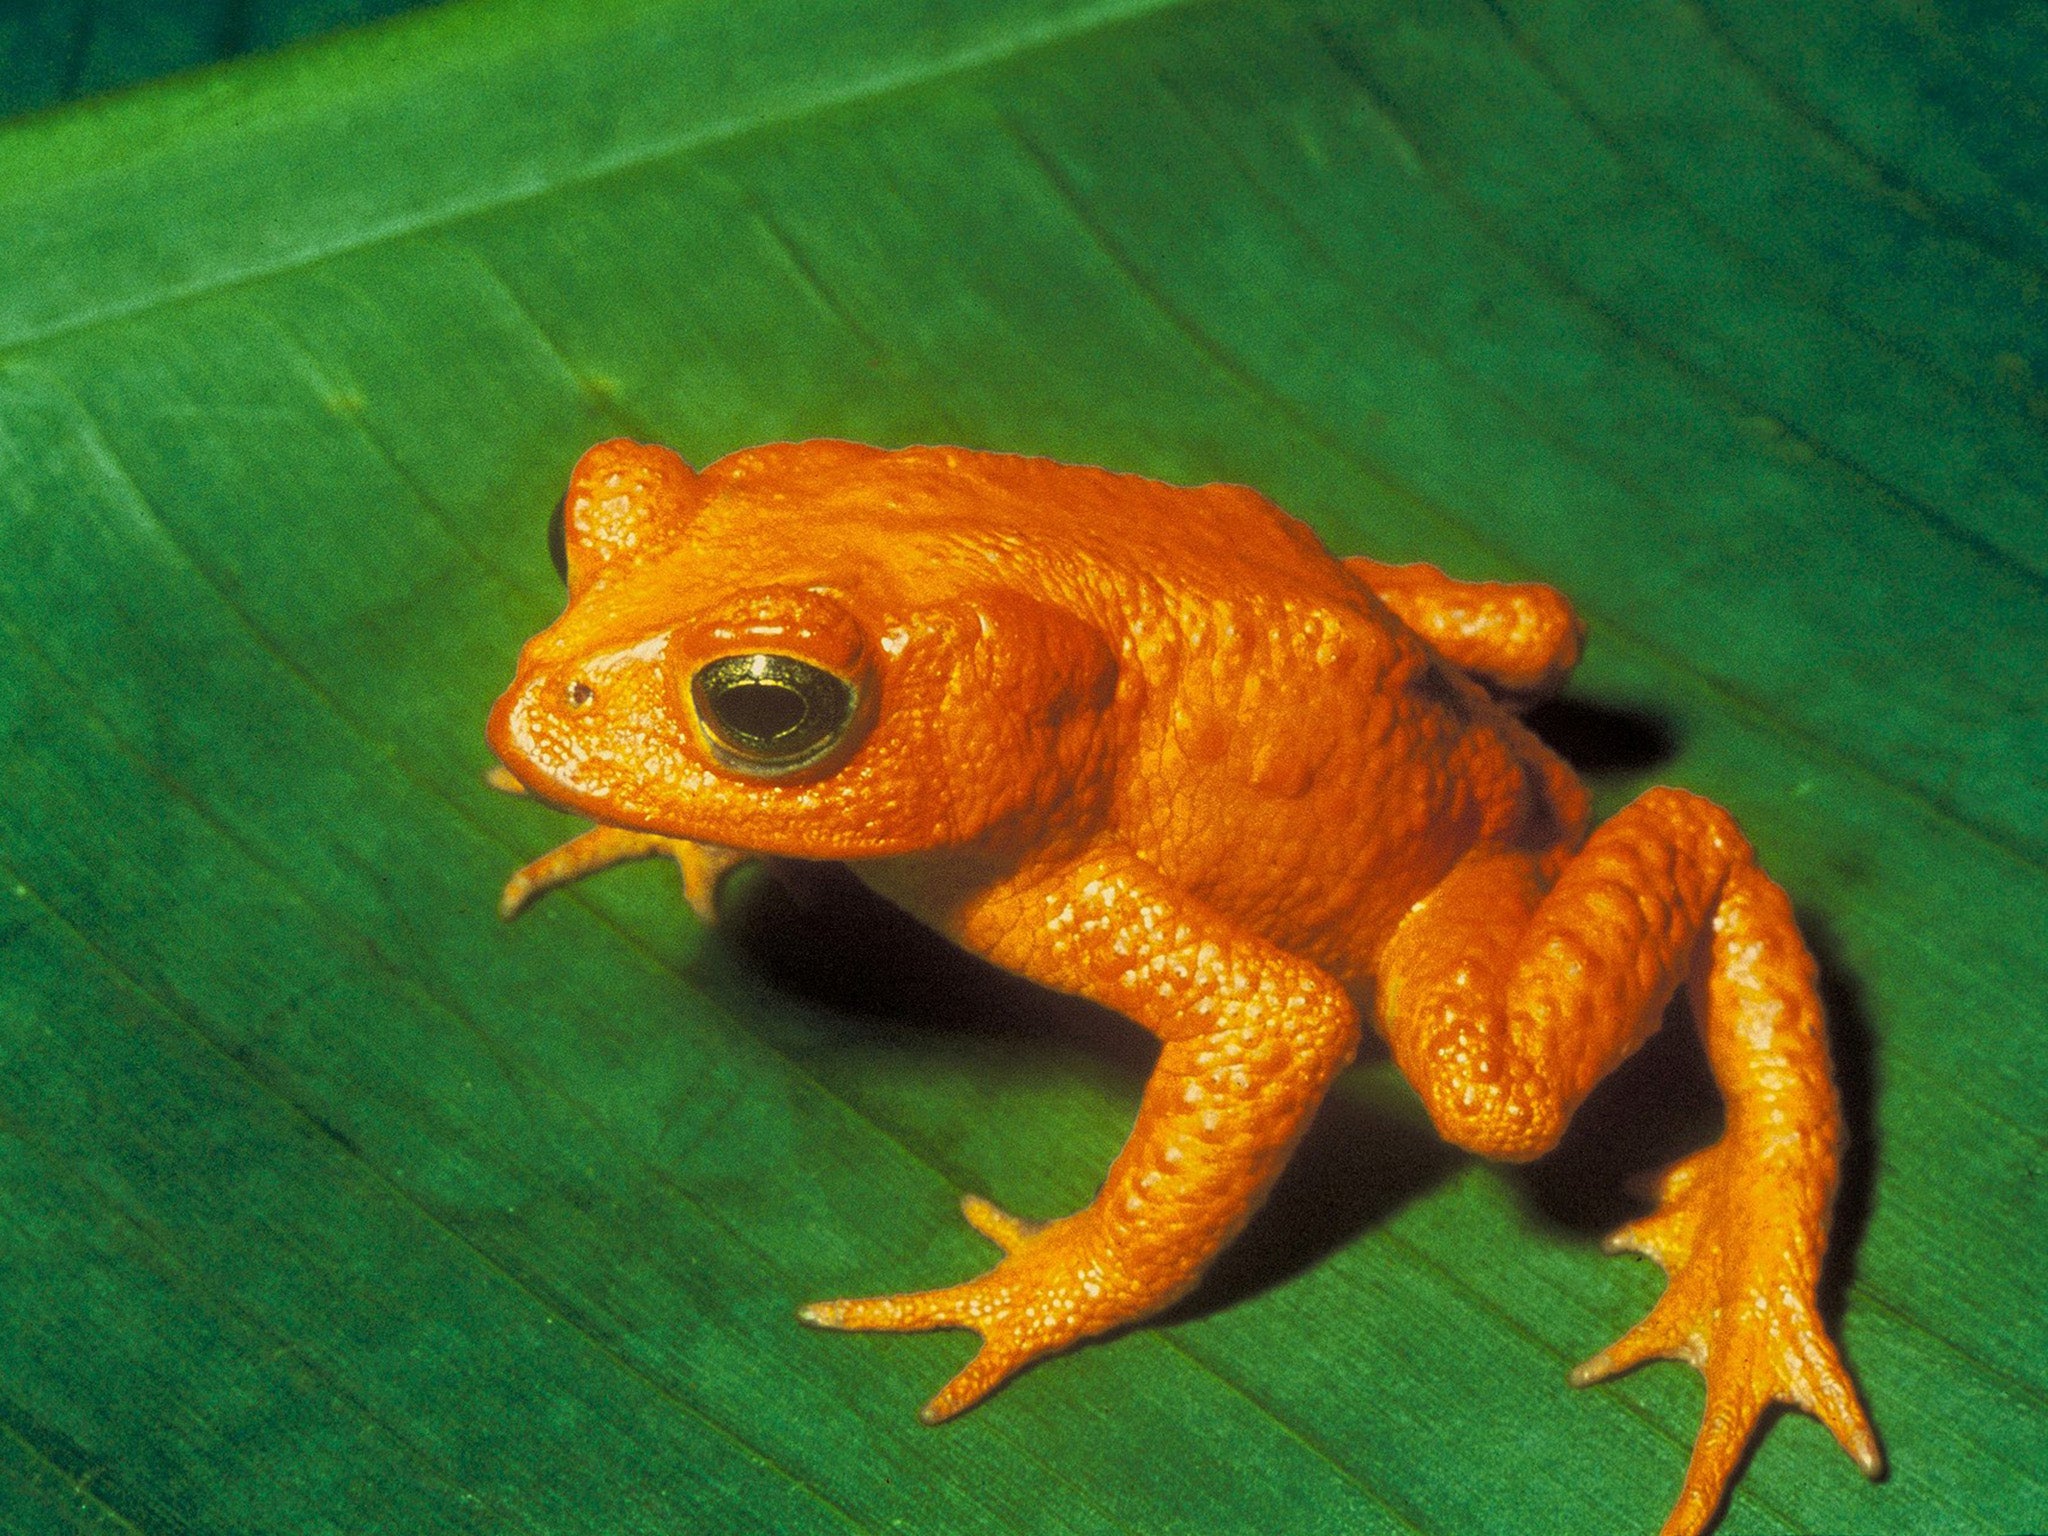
<point x="703" y="867"/>
<point x="1740" y="1309"/>
<point x="1057" y="1285"/>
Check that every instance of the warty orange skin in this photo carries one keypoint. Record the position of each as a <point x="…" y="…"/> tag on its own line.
<point x="1155" y="747"/>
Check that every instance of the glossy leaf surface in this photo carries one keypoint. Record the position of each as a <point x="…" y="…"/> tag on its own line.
<point x="328" y="1203"/>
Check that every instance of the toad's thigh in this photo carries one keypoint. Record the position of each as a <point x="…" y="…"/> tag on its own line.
<point x="1522" y="980"/>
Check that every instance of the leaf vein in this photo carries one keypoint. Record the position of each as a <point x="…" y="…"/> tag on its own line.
<point x="1776" y="275"/>
<point x="1884" y="174"/>
<point x="81" y="1485"/>
<point x="1893" y="498"/>
<point x="165" y="1256"/>
<point x="1733" y="700"/>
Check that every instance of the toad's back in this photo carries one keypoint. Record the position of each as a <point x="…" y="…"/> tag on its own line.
<point x="927" y="511"/>
<point x="1291" y="752"/>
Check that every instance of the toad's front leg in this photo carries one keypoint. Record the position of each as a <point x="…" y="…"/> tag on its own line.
<point x="1253" y="1038"/>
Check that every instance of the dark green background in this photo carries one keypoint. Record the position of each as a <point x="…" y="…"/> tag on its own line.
<point x="328" y="1204"/>
<point x="54" y="51"/>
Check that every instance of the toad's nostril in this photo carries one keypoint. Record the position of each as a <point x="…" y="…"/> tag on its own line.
<point x="581" y="694"/>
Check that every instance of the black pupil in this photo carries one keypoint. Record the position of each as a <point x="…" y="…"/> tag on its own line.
<point x="770" y="712"/>
<point x="762" y="711"/>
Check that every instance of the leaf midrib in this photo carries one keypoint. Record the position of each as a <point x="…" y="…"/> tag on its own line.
<point x="873" y="86"/>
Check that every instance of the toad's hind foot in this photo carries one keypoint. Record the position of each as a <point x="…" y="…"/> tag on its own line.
<point x="1504" y="1040"/>
<point x="1739" y="1311"/>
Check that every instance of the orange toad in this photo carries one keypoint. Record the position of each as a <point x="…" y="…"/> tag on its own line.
<point x="1155" y="747"/>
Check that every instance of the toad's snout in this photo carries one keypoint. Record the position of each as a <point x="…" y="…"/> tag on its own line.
<point x="532" y="729"/>
<point x="591" y="732"/>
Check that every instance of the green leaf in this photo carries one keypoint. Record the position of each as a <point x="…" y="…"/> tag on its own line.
<point x="328" y="1203"/>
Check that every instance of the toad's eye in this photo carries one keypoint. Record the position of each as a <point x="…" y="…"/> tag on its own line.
<point x="558" y="538"/>
<point x="770" y="714"/>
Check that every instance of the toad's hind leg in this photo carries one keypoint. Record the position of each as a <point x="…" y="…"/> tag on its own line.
<point x="1521" y="982"/>
<point x="1517" y="640"/>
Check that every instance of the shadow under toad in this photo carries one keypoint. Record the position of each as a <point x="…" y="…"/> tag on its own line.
<point x="1604" y="739"/>
<point x="1853" y="1046"/>
<point x="817" y="933"/>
